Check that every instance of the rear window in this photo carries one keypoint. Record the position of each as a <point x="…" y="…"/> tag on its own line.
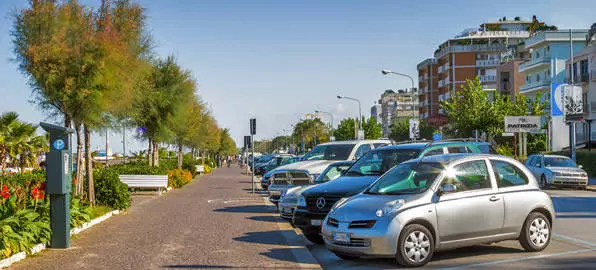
<point x="487" y="149"/>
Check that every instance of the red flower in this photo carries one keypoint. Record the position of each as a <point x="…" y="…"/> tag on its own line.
<point x="43" y="186"/>
<point x="37" y="194"/>
<point x="74" y="180"/>
<point x="5" y="192"/>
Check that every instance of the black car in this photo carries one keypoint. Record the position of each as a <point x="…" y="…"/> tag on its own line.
<point x="316" y="202"/>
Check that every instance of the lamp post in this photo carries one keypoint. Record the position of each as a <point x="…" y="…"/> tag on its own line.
<point x="330" y="115"/>
<point x="359" y="112"/>
<point x="386" y="71"/>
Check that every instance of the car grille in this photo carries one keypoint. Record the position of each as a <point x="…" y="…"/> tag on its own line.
<point x="311" y="203"/>
<point x="362" y="224"/>
<point x="354" y="242"/>
<point x="296" y="178"/>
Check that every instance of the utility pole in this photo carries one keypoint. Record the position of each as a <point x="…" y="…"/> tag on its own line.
<point x="571" y="123"/>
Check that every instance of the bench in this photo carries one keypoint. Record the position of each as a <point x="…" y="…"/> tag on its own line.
<point x="200" y="169"/>
<point x="145" y="181"/>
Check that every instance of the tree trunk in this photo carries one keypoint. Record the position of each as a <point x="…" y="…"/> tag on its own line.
<point x="79" y="175"/>
<point x="89" y="166"/>
<point x="179" y="156"/>
<point x="155" y="154"/>
<point x="67" y="121"/>
<point x="150" y="153"/>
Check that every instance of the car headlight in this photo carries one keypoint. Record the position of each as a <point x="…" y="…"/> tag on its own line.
<point x="584" y="174"/>
<point x="314" y="176"/>
<point x="390" y="209"/>
<point x="302" y="201"/>
<point x="557" y="174"/>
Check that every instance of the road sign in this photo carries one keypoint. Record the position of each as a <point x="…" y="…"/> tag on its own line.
<point x="253" y="126"/>
<point x="437" y="137"/>
<point x="508" y="134"/>
<point x="414" y="128"/>
<point x="360" y="134"/>
<point x="522" y="123"/>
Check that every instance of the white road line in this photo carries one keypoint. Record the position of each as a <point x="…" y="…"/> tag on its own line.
<point x="521" y="259"/>
<point x="571" y="239"/>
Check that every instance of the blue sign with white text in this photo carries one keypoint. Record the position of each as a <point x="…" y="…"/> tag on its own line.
<point x="59" y="144"/>
<point x="437" y="137"/>
<point x="556" y="99"/>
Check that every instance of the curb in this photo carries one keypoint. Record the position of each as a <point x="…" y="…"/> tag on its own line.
<point x="39" y="247"/>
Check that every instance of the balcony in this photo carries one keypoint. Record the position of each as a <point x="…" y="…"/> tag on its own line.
<point x="488" y="63"/>
<point x="534" y="86"/>
<point x="534" y="63"/>
<point x="488" y="78"/>
<point x="471" y="48"/>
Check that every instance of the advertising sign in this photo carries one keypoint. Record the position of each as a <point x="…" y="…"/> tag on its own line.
<point x="556" y="99"/>
<point x="522" y="123"/>
<point x="574" y="106"/>
<point x="414" y="129"/>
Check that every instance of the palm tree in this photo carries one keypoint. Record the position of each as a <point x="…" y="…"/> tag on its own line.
<point x="18" y="142"/>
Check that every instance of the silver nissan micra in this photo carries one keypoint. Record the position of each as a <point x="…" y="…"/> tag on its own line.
<point x="441" y="202"/>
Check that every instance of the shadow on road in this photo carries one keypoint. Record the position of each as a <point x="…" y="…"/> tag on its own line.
<point x="246" y="209"/>
<point x="268" y="237"/>
<point x="568" y="263"/>
<point x="209" y="266"/>
<point x="282" y="254"/>
<point x="574" y="204"/>
<point x="265" y="218"/>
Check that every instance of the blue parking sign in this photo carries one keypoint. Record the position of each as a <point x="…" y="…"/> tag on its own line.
<point x="437" y="137"/>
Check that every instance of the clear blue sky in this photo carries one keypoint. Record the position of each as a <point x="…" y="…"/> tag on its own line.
<point x="277" y="60"/>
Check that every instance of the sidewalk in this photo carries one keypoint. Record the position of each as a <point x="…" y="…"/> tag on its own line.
<point x="213" y="222"/>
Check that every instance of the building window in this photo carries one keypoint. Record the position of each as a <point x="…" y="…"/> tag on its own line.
<point x="537" y="77"/>
<point x="548" y="48"/>
<point x="537" y="54"/>
<point x="583" y="68"/>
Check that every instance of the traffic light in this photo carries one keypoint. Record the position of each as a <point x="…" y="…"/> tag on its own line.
<point x="247" y="142"/>
<point x="253" y="126"/>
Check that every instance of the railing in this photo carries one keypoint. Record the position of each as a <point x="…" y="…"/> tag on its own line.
<point x="497" y="34"/>
<point x="528" y="86"/>
<point x="488" y="63"/>
<point x="470" y="48"/>
<point x="488" y="78"/>
<point x="534" y="63"/>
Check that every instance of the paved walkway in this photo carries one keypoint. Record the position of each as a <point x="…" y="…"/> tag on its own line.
<point x="213" y="222"/>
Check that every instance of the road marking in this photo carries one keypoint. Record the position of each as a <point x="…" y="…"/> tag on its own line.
<point x="521" y="259"/>
<point x="571" y="239"/>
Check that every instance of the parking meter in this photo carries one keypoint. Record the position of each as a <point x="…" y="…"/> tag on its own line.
<point x="59" y="183"/>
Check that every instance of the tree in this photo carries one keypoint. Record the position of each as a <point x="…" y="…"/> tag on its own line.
<point x="372" y="129"/>
<point x="18" y="142"/>
<point x="400" y="131"/>
<point x="308" y="128"/>
<point x="345" y="130"/>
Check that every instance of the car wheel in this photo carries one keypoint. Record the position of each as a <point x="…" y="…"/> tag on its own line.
<point x="536" y="233"/>
<point x="415" y="246"/>
<point x="543" y="182"/>
<point x="346" y="257"/>
<point x="314" y="237"/>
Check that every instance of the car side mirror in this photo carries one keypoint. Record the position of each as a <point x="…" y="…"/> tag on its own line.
<point x="580" y="166"/>
<point x="448" y="188"/>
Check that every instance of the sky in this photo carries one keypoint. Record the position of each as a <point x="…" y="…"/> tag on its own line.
<point x="279" y="60"/>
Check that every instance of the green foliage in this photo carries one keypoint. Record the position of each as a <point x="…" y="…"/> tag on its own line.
<point x="505" y="150"/>
<point x="372" y="129"/>
<point x="307" y="129"/>
<point x="79" y="213"/>
<point x="109" y="190"/>
<point x="18" y="142"/>
<point x="536" y="143"/>
<point x="400" y="131"/>
<point x="345" y="130"/>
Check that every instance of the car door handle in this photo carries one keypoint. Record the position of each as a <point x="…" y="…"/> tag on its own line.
<point x="494" y="198"/>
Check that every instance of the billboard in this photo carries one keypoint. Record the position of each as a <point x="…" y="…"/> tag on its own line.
<point x="556" y="99"/>
<point x="522" y="124"/>
<point x="574" y="106"/>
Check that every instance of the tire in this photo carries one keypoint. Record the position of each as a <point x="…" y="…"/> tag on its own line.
<point x="538" y="227"/>
<point x="414" y="239"/>
<point x="314" y="237"/>
<point x="543" y="182"/>
<point x="346" y="257"/>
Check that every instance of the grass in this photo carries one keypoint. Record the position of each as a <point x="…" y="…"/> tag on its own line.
<point x="98" y="211"/>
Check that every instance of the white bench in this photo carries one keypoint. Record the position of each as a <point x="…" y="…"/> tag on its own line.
<point x="200" y="169"/>
<point x="145" y="181"/>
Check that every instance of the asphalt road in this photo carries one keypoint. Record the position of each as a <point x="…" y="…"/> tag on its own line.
<point x="213" y="222"/>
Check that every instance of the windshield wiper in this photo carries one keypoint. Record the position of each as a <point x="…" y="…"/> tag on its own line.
<point x="374" y="173"/>
<point x="352" y="173"/>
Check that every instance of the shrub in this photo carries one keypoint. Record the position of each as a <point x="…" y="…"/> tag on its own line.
<point x="109" y="190"/>
<point x="139" y="167"/>
<point x="178" y="178"/>
<point x="208" y="169"/>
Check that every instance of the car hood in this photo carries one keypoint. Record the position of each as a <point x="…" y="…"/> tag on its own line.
<point x="311" y="166"/>
<point x="344" y="186"/>
<point x="364" y="206"/>
<point x="565" y="169"/>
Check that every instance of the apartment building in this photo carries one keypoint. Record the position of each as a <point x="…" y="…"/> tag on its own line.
<point x="545" y="68"/>
<point x="584" y="75"/>
<point x="397" y="106"/>
<point x="428" y="92"/>
<point x="477" y="52"/>
<point x="509" y="79"/>
<point x="376" y="112"/>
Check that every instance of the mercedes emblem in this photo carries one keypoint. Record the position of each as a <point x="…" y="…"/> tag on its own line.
<point x="320" y="202"/>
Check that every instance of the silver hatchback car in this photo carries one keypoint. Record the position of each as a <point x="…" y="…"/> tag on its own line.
<point x="441" y="202"/>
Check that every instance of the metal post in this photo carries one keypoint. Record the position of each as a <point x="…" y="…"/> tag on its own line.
<point x="572" y="73"/>
<point x="123" y="141"/>
<point x="252" y="173"/>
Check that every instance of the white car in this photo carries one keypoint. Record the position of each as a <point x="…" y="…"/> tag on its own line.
<point x="315" y="162"/>
<point x="554" y="170"/>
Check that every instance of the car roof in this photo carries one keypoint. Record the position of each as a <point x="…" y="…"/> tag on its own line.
<point x="449" y="158"/>
<point x="423" y="145"/>
<point x="343" y="162"/>
<point x="356" y="141"/>
<point x="556" y="156"/>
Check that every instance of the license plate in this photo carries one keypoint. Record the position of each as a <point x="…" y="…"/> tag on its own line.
<point x="341" y="237"/>
<point x="286" y="210"/>
<point x="315" y="222"/>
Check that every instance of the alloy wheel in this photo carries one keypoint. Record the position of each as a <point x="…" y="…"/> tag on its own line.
<point x="417" y="246"/>
<point x="539" y="232"/>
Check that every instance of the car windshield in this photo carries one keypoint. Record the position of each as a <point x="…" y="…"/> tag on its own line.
<point x="288" y="161"/>
<point x="330" y="152"/>
<point x="559" y="162"/>
<point x="265" y="159"/>
<point x="377" y="162"/>
<point x="406" y="178"/>
<point x="332" y="172"/>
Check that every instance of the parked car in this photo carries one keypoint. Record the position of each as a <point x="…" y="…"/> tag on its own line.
<point x="289" y="200"/>
<point x="553" y="170"/>
<point x="265" y="180"/>
<point x="275" y="162"/>
<point x="314" y="162"/>
<point x="441" y="202"/>
<point x="261" y="161"/>
<point x="317" y="201"/>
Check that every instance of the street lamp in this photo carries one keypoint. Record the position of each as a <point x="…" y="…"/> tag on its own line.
<point x="330" y="115"/>
<point x="359" y="112"/>
<point x="386" y="71"/>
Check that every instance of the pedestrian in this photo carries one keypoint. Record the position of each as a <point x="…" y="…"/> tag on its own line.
<point x="229" y="161"/>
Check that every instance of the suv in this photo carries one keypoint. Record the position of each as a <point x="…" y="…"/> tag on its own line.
<point x="439" y="203"/>
<point x="314" y="204"/>
<point x="313" y="164"/>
